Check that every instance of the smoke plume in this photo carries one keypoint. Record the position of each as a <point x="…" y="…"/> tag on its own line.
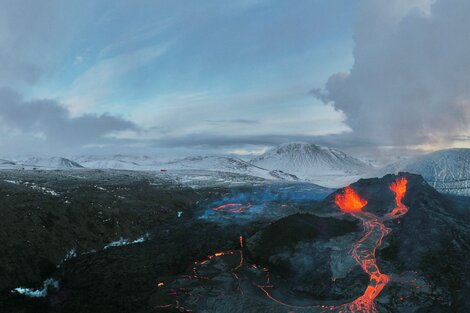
<point x="410" y="82"/>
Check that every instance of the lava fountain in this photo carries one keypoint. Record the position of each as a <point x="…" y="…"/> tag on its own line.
<point x="364" y="250"/>
<point x="399" y="188"/>
<point x="350" y="201"/>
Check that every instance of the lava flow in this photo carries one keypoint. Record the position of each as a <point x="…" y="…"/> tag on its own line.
<point x="363" y="250"/>
<point x="399" y="188"/>
<point x="176" y="306"/>
<point x="232" y="208"/>
<point x="350" y="201"/>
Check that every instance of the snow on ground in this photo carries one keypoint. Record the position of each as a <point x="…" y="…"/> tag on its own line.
<point x="333" y="180"/>
<point x="119" y="162"/>
<point x="446" y="170"/>
<point x="33" y="186"/>
<point x="320" y="165"/>
<point x="37" y="293"/>
<point x="48" y="163"/>
<point x="125" y="242"/>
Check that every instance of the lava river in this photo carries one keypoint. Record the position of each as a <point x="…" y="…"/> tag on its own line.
<point x="363" y="251"/>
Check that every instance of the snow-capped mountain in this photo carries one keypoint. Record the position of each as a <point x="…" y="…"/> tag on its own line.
<point x="49" y="163"/>
<point x="194" y="163"/>
<point x="446" y="170"/>
<point x="119" y="161"/>
<point x="325" y="166"/>
<point x="226" y="164"/>
<point x="288" y="162"/>
<point x="7" y="164"/>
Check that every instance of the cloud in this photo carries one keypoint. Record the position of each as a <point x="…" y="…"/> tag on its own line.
<point x="410" y="82"/>
<point x="248" y="58"/>
<point x="231" y="119"/>
<point x="100" y="81"/>
<point x="47" y="124"/>
<point x="139" y="37"/>
<point x="33" y="34"/>
<point x="239" y="121"/>
<point x="216" y="141"/>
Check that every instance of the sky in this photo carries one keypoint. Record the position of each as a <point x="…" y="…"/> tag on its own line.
<point x="232" y="77"/>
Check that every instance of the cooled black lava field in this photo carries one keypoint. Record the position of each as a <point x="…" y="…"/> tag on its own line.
<point x="123" y="241"/>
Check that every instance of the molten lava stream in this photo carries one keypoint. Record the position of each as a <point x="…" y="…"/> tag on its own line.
<point x="399" y="188"/>
<point x="364" y="254"/>
<point x="363" y="251"/>
<point x="196" y="275"/>
<point x="232" y="208"/>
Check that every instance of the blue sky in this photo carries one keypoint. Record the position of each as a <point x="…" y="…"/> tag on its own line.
<point x="217" y="76"/>
<point x="193" y="47"/>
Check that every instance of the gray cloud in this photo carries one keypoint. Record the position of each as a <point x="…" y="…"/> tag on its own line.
<point x="224" y="141"/>
<point x="410" y="83"/>
<point x="48" y="124"/>
<point x="235" y="121"/>
<point x="32" y="36"/>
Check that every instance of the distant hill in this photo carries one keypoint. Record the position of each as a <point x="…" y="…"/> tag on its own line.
<point x="322" y="165"/>
<point x="49" y="163"/>
<point x="446" y="170"/>
<point x="227" y="164"/>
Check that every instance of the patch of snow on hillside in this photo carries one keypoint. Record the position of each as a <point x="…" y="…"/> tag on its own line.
<point x="321" y="165"/>
<point x="446" y="170"/>
<point x="37" y="293"/>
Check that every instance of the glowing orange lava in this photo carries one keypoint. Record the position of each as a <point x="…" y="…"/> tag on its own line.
<point x="399" y="188"/>
<point x="350" y="201"/>
<point x="232" y="207"/>
<point x="363" y="251"/>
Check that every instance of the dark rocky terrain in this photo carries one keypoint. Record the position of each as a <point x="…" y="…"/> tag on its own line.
<point x="291" y="266"/>
<point x="48" y="217"/>
<point x="298" y="246"/>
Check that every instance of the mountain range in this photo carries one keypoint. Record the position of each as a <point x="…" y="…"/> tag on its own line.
<point x="446" y="170"/>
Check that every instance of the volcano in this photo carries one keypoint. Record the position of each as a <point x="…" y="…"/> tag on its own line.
<point x="392" y="244"/>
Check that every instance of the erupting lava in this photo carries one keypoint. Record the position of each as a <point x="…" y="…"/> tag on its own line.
<point x="363" y="250"/>
<point x="350" y="201"/>
<point x="399" y="188"/>
<point x="232" y="207"/>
